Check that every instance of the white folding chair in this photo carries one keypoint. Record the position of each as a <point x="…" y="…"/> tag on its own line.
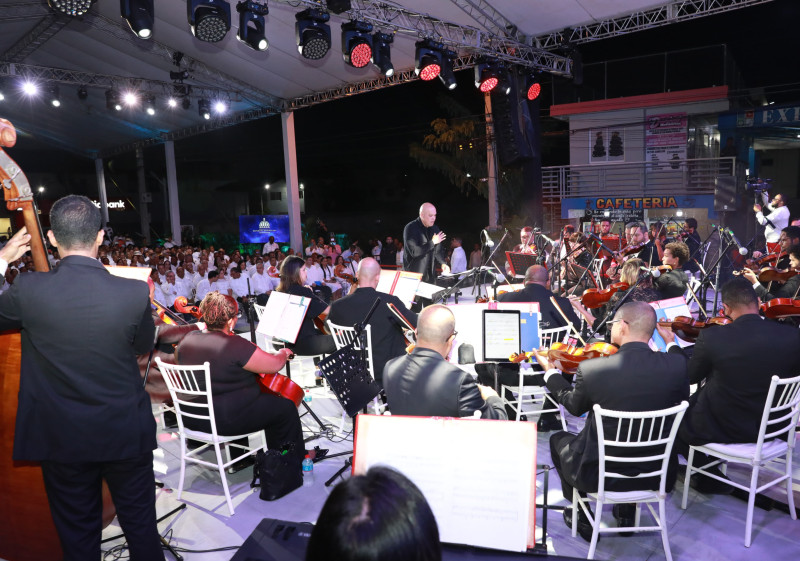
<point x="517" y="396"/>
<point x="190" y="387"/>
<point x="343" y="336"/>
<point x="781" y="412"/>
<point x="645" y="437"/>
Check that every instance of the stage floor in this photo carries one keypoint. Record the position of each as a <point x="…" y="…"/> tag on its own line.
<point x="712" y="528"/>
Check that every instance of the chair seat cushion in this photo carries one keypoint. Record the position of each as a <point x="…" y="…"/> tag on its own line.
<point x="770" y="449"/>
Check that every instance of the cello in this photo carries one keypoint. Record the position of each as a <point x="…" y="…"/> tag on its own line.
<point x="27" y="531"/>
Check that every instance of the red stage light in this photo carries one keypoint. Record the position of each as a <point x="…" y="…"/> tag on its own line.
<point x="430" y="72"/>
<point x="361" y="55"/>
<point x="488" y="84"/>
<point x="534" y="91"/>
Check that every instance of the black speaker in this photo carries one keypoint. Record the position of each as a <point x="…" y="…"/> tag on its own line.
<point x="507" y="115"/>
<point x="726" y="197"/>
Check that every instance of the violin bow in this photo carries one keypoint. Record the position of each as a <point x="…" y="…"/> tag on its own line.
<point x="563" y="315"/>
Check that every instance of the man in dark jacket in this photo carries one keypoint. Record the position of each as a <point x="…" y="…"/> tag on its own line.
<point x="537" y="282"/>
<point x="423" y="244"/>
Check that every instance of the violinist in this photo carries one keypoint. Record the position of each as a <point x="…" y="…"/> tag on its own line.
<point x="638" y="246"/>
<point x="240" y="407"/>
<point x="780" y="257"/>
<point x="537" y="289"/>
<point x="692" y="240"/>
<point x="790" y="289"/>
<point x="579" y="259"/>
<point x="525" y="244"/>
<point x="672" y="283"/>
<point x="293" y="281"/>
<point x="634" y="379"/>
<point x="733" y="365"/>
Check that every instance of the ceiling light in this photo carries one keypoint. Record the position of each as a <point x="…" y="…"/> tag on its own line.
<point x="30" y="88"/>
<point x="534" y="87"/>
<point x="52" y="92"/>
<point x="172" y="102"/>
<point x="251" y="25"/>
<point x="82" y="93"/>
<point x="486" y="77"/>
<point x="266" y="186"/>
<point x="428" y="59"/>
<point x="130" y="98"/>
<point x="381" y="52"/>
<point x="220" y="107"/>
<point x="210" y="19"/>
<point x="112" y="100"/>
<point x="357" y="43"/>
<point x="71" y="7"/>
<point x="140" y="16"/>
<point x="150" y="104"/>
<point x="447" y="76"/>
<point x="203" y="107"/>
<point x="312" y="33"/>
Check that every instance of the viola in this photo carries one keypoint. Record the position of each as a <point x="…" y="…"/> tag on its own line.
<point x="594" y="298"/>
<point x="771" y="274"/>
<point x="688" y="328"/>
<point x="781" y="308"/>
<point x="282" y="386"/>
<point x="182" y="306"/>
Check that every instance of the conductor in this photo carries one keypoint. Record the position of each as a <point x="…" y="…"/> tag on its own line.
<point x="423" y="244"/>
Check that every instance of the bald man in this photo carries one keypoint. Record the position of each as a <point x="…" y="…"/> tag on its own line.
<point x="537" y="289"/>
<point x="424" y="384"/>
<point x="423" y="244"/>
<point x="386" y="333"/>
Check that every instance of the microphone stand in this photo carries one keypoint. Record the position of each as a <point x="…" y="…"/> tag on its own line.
<point x="491" y="255"/>
<point x="585" y="271"/>
<point x="445" y="294"/>
<point x="617" y="306"/>
<point x="250" y="312"/>
<point x="729" y="243"/>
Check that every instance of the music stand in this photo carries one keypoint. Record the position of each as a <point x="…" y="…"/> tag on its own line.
<point x="519" y="262"/>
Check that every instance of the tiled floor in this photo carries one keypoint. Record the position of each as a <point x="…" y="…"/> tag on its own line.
<point x="711" y="528"/>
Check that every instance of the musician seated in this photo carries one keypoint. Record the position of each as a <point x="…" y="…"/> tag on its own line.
<point x="537" y="289"/>
<point x="634" y="379"/>
<point x="310" y="341"/>
<point x="423" y="383"/>
<point x="789" y="289"/>
<point x="386" y="334"/>
<point x="240" y="407"/>
<point x="780" y="259"/>
<point x="672" y="284"/>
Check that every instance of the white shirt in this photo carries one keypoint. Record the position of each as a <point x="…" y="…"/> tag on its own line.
<point x="314" y="274"/>
<point x="779" y="218"/>
<point x="203" y="288"/>
<point x="261" y="283"/>
<point x="269" y="247"/>
<point x="458" y="261"/>
<point x="239" y="286"/>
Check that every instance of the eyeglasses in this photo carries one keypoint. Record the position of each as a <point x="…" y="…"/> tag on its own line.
<point x="613" y="321"/>
<point x="454" y="334"/>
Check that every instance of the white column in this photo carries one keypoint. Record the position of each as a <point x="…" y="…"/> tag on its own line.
<point x="491" y="163"/>
<point x="292" y="183"/>
<point x="172" y="190"/>
<point x="101" y="188"/>
<point x="144" y="210"/>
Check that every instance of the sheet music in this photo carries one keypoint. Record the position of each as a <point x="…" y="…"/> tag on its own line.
<point x="470" y="509"/>
<point x="669" y="309"/>
<point x="406" y="286"/>
<point x="501" y="334"/>
<point x="135" y="273"/>
<point x="283" y="316"/>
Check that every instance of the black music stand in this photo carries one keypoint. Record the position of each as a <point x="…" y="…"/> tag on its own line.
<point x="519" y="262"/>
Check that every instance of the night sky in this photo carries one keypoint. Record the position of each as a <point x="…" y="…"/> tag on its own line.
<point x="353" y="153"/>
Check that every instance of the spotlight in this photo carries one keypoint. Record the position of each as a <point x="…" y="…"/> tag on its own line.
<point x="357" y="43"/>
<point x="313" y="34"/>
<point x="30" y="88"/>
<point x="428" y="59"/>
<point x="71" y="7"/>
<point x="178" y="75"/>
<point x="447" y="76"/>
<point x="150" y="104"/>
<point x="203" y="107"/>
<point x="172" y="102"/>
<point x="381" y="52"/>
<point x="486" y="77"/>
<point x="82" y="93"/>
<point x="186" y="103"/>
<point x="55" y="100"/>
<point x="140" y="16"/>
<point x="534" y="87"/>
<point x="503" y="82"/>
<point x="130" y="99"/>
<point x="112" y="100"/>
<point x="251" y="25"/>
<point x="210" y="19"/>
<point x="220" y="107"/>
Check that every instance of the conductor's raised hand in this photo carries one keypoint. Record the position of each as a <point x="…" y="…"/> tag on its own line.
<point x="439" y="237"/>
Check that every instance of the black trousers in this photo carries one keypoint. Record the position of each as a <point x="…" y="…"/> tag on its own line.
<point x="557" y="441"/>
<point x="74" y="491"/>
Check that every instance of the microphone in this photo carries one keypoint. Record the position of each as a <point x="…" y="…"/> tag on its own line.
<point x="487" y="239"/>
<point x="655" y="273"/>
<point x="742" y="249"/>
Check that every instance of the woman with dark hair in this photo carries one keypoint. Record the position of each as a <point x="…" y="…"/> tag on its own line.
<point x="380" y="516"/>
<point x="239" y="405"/>
<point x="310" y="341"/>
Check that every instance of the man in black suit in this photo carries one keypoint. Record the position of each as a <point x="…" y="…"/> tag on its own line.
<point x="733" y="365"/>
<point x="423" y="244"/>
<point x="634" y="379"/>
<point x="386" y="331"/>
<point x="537" y="283"/>
<point x="672" y="284"/>
<point x="423" y="383"/>
<point x="83" y="412"/>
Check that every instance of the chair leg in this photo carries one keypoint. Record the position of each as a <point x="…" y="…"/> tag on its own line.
<point x="598" y="510"/>
<point x="789" y="490"/>
<point x="183" y="465"/>
<point x="662" y="514"/>
<point x="575" y="509"/>
<point x="222" y="475"/>
<point x="751" y="501"/>
<point x="687" y="479"/>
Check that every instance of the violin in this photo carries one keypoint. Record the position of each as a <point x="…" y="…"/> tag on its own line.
<point x="771" y="274"/>
<point x="182" y="306"/>
<point x="781" y="308"/>
<point x="567" y="358"/>
<point x="631" y="249"/>
<point x="282" y="386"/>
<point x="766" y="259"/>
<point x="594" y="298"/>
<point x="688" y="328"/>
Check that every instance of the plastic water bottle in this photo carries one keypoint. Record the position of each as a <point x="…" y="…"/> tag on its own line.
<point x="307" y="396"/>
<point x="308" y="471"/>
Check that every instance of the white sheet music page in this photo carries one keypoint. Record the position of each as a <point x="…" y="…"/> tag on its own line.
<point x="479" y="476"/>
<point x="283" y="316"/>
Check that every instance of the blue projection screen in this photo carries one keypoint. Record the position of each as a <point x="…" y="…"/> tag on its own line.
<point x="258" y="228"/>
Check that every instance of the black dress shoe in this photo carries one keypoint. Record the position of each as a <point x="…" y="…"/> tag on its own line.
<point x="548" y="422"/>
<point x="625" y="515"/>
<point x="244" y="463"/>
<point x="584" y="527"/>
